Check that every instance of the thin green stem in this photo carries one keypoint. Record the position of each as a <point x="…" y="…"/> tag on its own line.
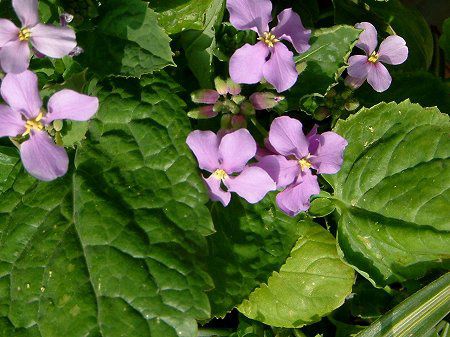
<point x="260" y="128"/>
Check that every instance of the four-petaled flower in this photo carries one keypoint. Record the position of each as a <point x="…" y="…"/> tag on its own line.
<point x="48" y="40"/>
<point x="269" y="58"/>
<point x="296" y="155"/>
<point x="226" y="156"/>
<point x="393" y="50"/>
<point x="23" y="116"/>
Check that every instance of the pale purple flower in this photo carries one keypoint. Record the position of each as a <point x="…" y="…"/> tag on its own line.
<point x="296" y="155"/>
<point x="48" y="40"/>
<point x="393" y="50"/>
<point x="226" y="158"/>
<point x="23" y="116"/>
<point x="269" y="58"/>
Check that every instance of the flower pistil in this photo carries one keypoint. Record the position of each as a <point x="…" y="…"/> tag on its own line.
<point x="33" y="124"/>
<point x="24" y="34"/>
<point x="220" y="174"/>
<point x="304" y="164"/>
<point x="269" y="39"/>
<point x="373" y="58"/>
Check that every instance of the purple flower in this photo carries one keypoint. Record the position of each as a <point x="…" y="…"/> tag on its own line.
<point x="269" y="58"/>
<point x="393" y="50"/>
<point x="226" y="156"/>
<point x="23" y="116"/>
<point x="297" y="155"/>
<point x="48" y="40"/>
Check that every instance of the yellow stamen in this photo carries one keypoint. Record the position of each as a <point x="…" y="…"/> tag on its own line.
<point x="220" y="174"/>
<point x="304" y="164"/>
<point x="33" y="124"/>
<point x="24" y="34"/>
<point x="374" y="57"/>
<point x="269" y="39"/>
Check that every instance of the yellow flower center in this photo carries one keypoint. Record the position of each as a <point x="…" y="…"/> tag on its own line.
<point x="33" y="124"/>
<point x="269" y="39"/>
<point x="24" y="34"/>
<point x="220" y="174"/>
<point x="374" y="57"/>
<point x="304" y="164"/>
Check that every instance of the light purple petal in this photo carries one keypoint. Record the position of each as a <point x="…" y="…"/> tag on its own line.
<point x="27" y="11"/>
<point x="280" y="69"/>
<point x="290" y="28"/>
<point x="11" y="122"/>
<point x="281" y="170"/>
<point x="15" y="57"/>
<point x="20" y="92"/>
<point x="53" y="41"/>
<point x="42" y="158"/>
<point x="215" y="191"/>
<point x="287" y="137"/>
<point x="313" y="139"/>
<point x="206" y="96"/>
<point x="252" y="184"/>
<point x="379" y="77"/>
<point x="295" y="198"/>
<point x="393" y="50"/>
<point x="68" y="104"/>
<point x="8" y="32"/>
<point x="236" y="149"/>
<point x="205" y="146"/>
<point x="368" y="38"/>
<point x="359" y="66"/>
<point x="329" y="155"/>
<point x="250" y="14"/>
<point x="246" y="64"/>
<point x="354" y="82"/>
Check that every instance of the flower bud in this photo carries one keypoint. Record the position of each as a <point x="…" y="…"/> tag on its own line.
<point x="265" y="100"/>
<point x="206" y="96"/>
<point x="233" y="88"/>
<point x="238" y="122"/>
<point x="221" y="86"/>
<point x="247" y="109"/>
<point x="65" y="19"/>
<point x="225" y="122"/>
<point x="203" y="112"/>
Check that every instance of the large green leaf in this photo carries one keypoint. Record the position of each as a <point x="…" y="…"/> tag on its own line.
<point x="444" y="40"/>
<point x="127" y="41"/>
<point x="393" y="17"/>
<point x="251" y="242"/>
<point x="321" y="66"/>
<point x="176" y="16"/>
<point x="312" y="283"/>
<point x="116" y="247"/>
<point x="392" y="191"/>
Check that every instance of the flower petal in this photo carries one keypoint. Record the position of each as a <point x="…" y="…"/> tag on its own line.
<point x="246" y="64"/>
<point x="353" y="82"/>
<point x="53" y="41"/>
<point x="205" y="146"/>
<point x="290" y="28"/>
<point x="280" y="70"/>
<point x="379" y="77"/>
<point x="11" y="122"/>
<point x="359" y="66"/>
<point x="295" y="198"/>
<point x="329" y="154"/>
<point x="252" y="184"/>
<point x="287" y="137"/>
<point x="215" y="191"/>
<point x="15" y="57"/>
<point x="250" y="14"/>
<point x="8" y="32"/>
<point x="42" y="158"/>
<point x="236" y="149"/>
<point x="20" y="92"/>
<point x="68" y="104"/>
<point x="27" y="11"/>
<point x="368" y="38"/>
<point x="281" y="170"/>
<point x="393" y="50"/>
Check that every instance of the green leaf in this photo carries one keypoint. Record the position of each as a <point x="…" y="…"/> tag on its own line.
<point x="392" y="191"/>
<point x="199" y="45"/>
<point x="312" y="283"/>
<point x="115" y="248"/>
<point x="392" y="17"/>
<point x="251" y="241"/>
<point x="127" y="41"/>
<point x="416" y="315"/>
<point x="176" y="16"/>
<point x="444" y="40"/>
<point x="321" y="66"/>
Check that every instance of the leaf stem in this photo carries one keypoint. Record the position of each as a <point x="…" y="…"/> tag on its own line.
<point x="260" y="128"/>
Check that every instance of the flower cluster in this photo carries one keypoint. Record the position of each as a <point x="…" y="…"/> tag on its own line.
<point x="23" y="118"/>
